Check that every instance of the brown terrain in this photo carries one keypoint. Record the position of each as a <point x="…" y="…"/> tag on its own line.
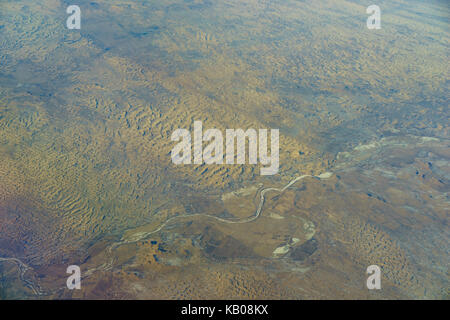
<point x="86" y="176"/>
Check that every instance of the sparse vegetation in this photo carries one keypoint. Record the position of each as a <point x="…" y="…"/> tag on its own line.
<point x="86" y="119"/>
<point x="3" y="284"/>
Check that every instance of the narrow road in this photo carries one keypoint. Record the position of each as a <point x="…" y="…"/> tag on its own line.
<point x="143" y="235"/>
<point x="23" y="268"/>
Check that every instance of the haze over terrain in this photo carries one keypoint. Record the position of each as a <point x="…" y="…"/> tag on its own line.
<point x="86" y="176"/>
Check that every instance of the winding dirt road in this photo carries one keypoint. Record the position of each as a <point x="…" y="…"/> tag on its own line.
<point x="23" y="268"/>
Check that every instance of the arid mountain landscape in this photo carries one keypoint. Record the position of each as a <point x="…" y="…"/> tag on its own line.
<point x="86" y="176"/>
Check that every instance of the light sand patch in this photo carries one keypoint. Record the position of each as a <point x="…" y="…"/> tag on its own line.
<point x="275" y="216"/>
<point x="365" y="147"/>
<point x="325" y="175"/>
<point x="281" y="251"/>
<point x="429" y="139"/>
<point x="310" y="230"/>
